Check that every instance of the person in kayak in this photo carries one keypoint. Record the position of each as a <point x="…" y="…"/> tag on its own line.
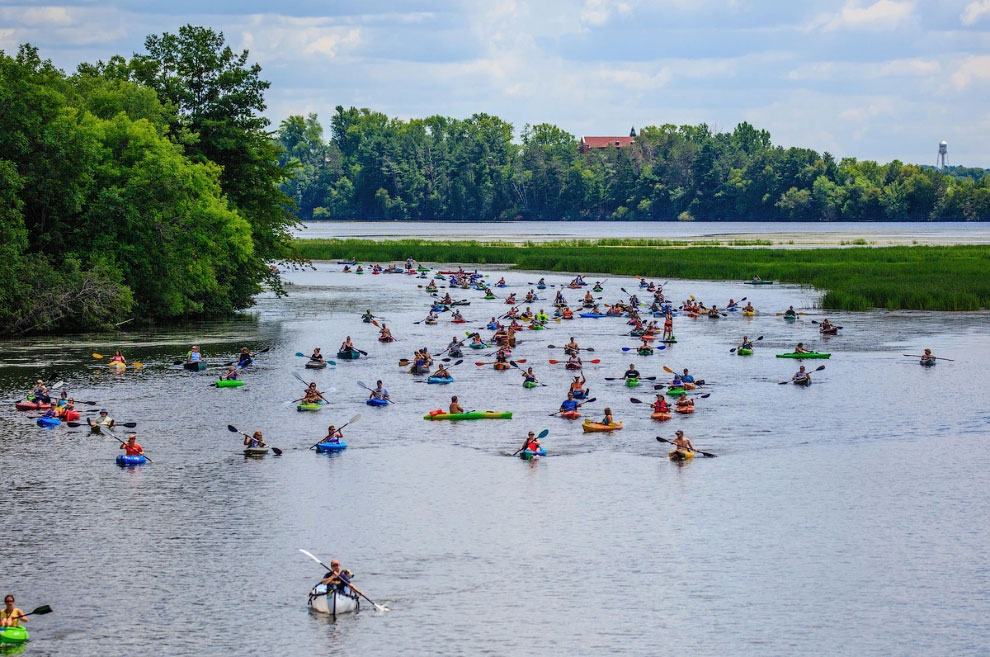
<point x="713" y="311"/>
<point x="118" y="357"/>
<point x="62" y="410"/>
<point x="244" y="358"/>
<point x="230" y="374"/>
<point x="336" y="579"/>
<point x="360" y="269"/>
<point x="530" y="297"/>
<point x="384" y="334"/>
<point x="441" y="372"/>
<point x="511" y="300"/>
<point x="194" y="356"/>
<point x="928" y="357"/>
<point x="476" y="338"/>
<point x="799" y="349"/>
<point x="790" y="312"/>
<point x="746" y="343"/>
<point x="311" y="395"/>
<point x="559" y="300"/>
<point x="447" y="300"/>
<point x="63" y="398"/>
<point x="542" y="317"/>
<point x="51" y="411"/>
<point x="347" y="269"/>
<point x="456" y="316"/>
<point x="749" y="307"/>
<point x="682" y="442"/>
<point x="684" y="402"/>
<point x="454" y="348"/>
<point x="825" y="326"/>
<point x="532" y="443"/>
<point x="569" y="404"/>
<point x="257" y="440"/>
<point x="732" y="304"/>
<point x="11" y="616"/>
<point x="104" y="420"/>
<point x="455" y="407"/>
<point x="801" y="376"/>
<point x="678" y="382"/>
<point x="501" y="358"/>
<point x="317" y="357"/>
<point x="756" y="279"/>
<point x="572" y="347"/>
<point x="333" y="435"/>
<point x="529" y="376"/>
<point x="501" y="281"/>
<point x="40" y="393"/>
<point x="660" y="405"/>
<point x="379" y="392"/>
<point x="347" y="346"/>
<point x="608" y="420"/>
<point x="542" y="281"/>
<point x="577" y="385"/>
<point x="574" y="362"/>
<point x="686" y="377"/>
<point x="131" y="447"/>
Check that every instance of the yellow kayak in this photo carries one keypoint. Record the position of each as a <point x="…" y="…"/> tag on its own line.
<point x="590" y="426"/>
<point x="748" y="313"/>
<point x="680" y="455"/>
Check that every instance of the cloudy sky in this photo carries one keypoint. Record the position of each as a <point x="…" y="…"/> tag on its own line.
<point x="879" y="79"/>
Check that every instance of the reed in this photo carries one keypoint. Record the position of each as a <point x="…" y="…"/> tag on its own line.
<point x="955" y="278"/>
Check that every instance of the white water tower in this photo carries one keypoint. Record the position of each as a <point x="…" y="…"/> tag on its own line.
<point x="943" y="150"/>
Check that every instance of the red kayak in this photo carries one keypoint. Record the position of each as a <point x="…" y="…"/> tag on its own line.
<point x="71" y="416"/>
<point x="31" y="406"/>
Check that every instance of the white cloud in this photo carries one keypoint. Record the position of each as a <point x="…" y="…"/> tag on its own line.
<point x="974" y="11"/>
<point x="38" y="16"/>
<point x="597" y="12"/>
<point x="881" y="15"/>
<point x="895" y="68"/>
<point x="975" y="68"/>
<point x="276" y="37"/>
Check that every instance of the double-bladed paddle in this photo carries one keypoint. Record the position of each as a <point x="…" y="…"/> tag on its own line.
<point x="231" y="428"/>
<point x="817" y="369"/>
<point x="378" y="607"/>
<point x="341" y="428"/>
<point x="586" y="401"/>
<point x="734" y="348"/>
<point x="697" y="451"/>
<point x="543" y="434"/>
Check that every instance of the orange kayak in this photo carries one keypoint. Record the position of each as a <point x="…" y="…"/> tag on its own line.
<point x="590" y="427"/>
<point x="661" y="416"/>
<point x="684" y="409"/>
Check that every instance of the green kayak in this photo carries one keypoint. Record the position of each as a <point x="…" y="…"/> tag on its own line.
<point x="13" y="635"/>
<point x="632" y="383"/>
<point x="236" y="383"/>
<point x="758" y="282"/>
<point x="530" y="384"/>
<point x="473" y="415"/>
<point x="676" y="392"/>
<point x="813" y="354"/>
<point x="745" y="352"/>
<point x="308" y="407"/>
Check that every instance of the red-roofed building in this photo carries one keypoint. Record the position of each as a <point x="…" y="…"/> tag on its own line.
<point x="587" y="143"/>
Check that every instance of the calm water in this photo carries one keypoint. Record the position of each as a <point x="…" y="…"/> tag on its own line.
<point x="847" y="518"/>
<point x="798" y="234"/>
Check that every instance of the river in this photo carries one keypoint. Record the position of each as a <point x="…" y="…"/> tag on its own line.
<point x="845" y="518"/>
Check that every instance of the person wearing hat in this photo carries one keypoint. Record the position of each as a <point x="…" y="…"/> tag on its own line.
<point x="103" y="421"/>
<point x="660" y="405"/>
<point x="532" y="443"/>
<point x="40" y="393"/>
<point x="681" y="442"/>
<point x="684" y="402"/>
<point x="687" y="378"/>
<point x="131" y="448"/>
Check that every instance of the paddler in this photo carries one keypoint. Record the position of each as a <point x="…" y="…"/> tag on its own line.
<point x="569" y="404"/>
<point x="749" y="307"/>
<point x="454" y="406"/>
<point x="40" y="393"/>
<point x="542" y="281"/>
<point x="11" y="616"/>
<point x="682" y="442"/>
<point x="333" y="435"/>
<point x="746" y="343"/>
<point x="574" y="362"/>
<point x="131" y="448"/>
<point x="542" y="317"/>
<point x="476" y="339"/>
<point x="608" y="420"/>
<point x="118" y="357"/>
<point x="501" y="359"/>
<point x="532" y="443"/>
<point x="577" y="385"/>
<point x="454" y="348"/>
<point x="631" y="373"/>
<point x="501" y="281"/>
<point x="379" y="392"/>
<point x="589" y="297"/>
<point x="660" y="405"/>
<point x="194" y="356"/>
<point x="713" y="311"/>
<point x="63" y="410"/>
<point x="572" y="347"/>
<point x="928" y="356"/>
<point x="104" y="420"/>
<point x="385" y="334"/>
<point x="360" y="269"/>
<point x="790" y="312"/>
<point x="686" y="377"/>
<point x="63" y="398"/>
<point x="801" y="376"/>
<point x="441" y="372"/>
<point x="245" y="358"/>
<point x="447" y="300"/>
<point x="677" y="382"/>
<point x="559" y="300"/>
<point x="456" y="315"/>
<point x="799" y="349"/>
<point x="311" y="395"/>
<point x="511" y="299"/>
<point x="756" y="279"/>
<point x="347" y="346"/>
<point x="317" y="357"/>
<point x="529" y="376"/>
<point x="337" y="580"/>
<point x="825" y="325"/>
<point x="530" y="297"/>
<point x="347" y="269"/>
<point x="732" y="304"/>
<point x="432" y="318"/>
<point x="230" y="374"/>
<point x="684" y="402"/>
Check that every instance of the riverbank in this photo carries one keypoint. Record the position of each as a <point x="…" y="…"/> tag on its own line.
<point x="952" y="278"/>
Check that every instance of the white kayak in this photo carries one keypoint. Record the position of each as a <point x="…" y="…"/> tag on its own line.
<point x="333" y="602"/>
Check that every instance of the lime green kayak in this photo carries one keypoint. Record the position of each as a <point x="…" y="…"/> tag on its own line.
<point x="632" y="383"/>
<point x="676" y="392"/>
<point x="236" y="383"/>
<point x="813" y="354"/>
<point x="14" y="635"/>
<point x="473" y="415"/>
<point x="308" y="407"/>
<point x="745" y="352"/>
<point x="530" y="384"/>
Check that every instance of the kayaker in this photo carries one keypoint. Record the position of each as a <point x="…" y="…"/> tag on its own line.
<point x="530" y="297"/>
<point x="104" y="420"/>
<point x="62" y="410"/>
<point x="454" y="346"/>
<point x="11" y="616"/>
<point x="588" y="296"/>
<point x="684" y="402"/>
<point x="384" y="334"/>
<point x="928" y="357"/>
<point x="749" y="307"/>
<point x="756" y="279"/>
<point x="825" y="325"/>
<point x="347" y="269"/>
<point x="574" y="362"/>
<point x="608" y="420"/>
<point x="312" y="395"/>
<point x="511" y="299"/>
<point x="631" y="373"/>
<point x="317" y="356"/>
<point x="40" y="393"/>
<point x="454" y="406"/>
<point x="360" y="269"/>
<point x="677" y="382"/>
<point x="131" y="448"/>
<point x="790" y="312"/>
<point x="541" y="282"/>
<point x="441" y="372"/>
<point x="336" y="579"/>
<point x="687" y="378"/>
<point x="660" y="405"/>
<point x="244" y="358"/>
<point x="194" y="356"/>
<point x="501" y="281"/>
<point x="529" y="376"/>
<point x="799" y="349"/>
<point x="333" y="435"/>
<point x="379" y="392"/>
<point x="532" y="443"/>
<point x="801" y="376"/>
<point x="63" y="398"/>
<point x="713" y="311"/>
<point x="569" y="404"/>
<point x="476" y="338"/>
<point x="732" y="304"/>
<point x="572" y="346"/>
<point x="51" y="411"/>
<point x="746" y="343"/>
<point x="645" y="346"/>
<point x="254" y="441"/>
<point x="347" y="346"/>
<point x="447" y="300"/>
<point x="596" y="310"/>
<point x="559" y="299"/>
<point x="668" y="326"/>
<point x="432" y="318"/>
<point x="456" y="316"/>
<point x="682" y="442"/>
<point x="577" y="385"/>
<point x="542" y="317"/>
<point x="230" y="374"/>
<point x="500" y="357"/>
<point x="118" y="357"/>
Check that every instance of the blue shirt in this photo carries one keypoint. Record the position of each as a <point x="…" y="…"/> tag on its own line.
<point x="569" y="405"/>
<point x="687" y="378"/>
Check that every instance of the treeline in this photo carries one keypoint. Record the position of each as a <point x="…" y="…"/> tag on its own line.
<point x="373" y="167"/>
<point x="144" y="189"/>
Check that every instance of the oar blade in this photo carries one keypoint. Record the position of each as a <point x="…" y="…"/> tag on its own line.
<point x="41" y="611"/>
<point x="231" y="428"/>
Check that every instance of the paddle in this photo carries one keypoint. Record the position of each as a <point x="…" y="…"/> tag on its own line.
<point x="378" y="607"/>
<point x="818" y="369"/>
<point x="815" y="321"/>
<point x="734" y="348"/>
<point x="362" y="385"/>
<point x="306" y="383"/>
<point x="586" y="401"/>
<point x="341" y="428"/>
<point x="41" y="611"/>
<point x="550" y="346"/>
<point x="557" y="362"/>
<point x="697" y="451"/>
<point x="104" y="431"/>
<point x="543" y="434"/>
<point x="231" y="428"/>
<point x="656" y="348"/>
<point x="521" y="360"/>
<point x="914" y="356"/>
<point x="252" y="356"/>
<point x="129" y="425"/>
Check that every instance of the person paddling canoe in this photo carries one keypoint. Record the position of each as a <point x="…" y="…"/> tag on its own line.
<point x="244" y="358"/>
<point x="455" y="407"/>
<point x="336" y="579"/>
<point x="790" y="313"/>
<point x="631" y="373"/>
<point x="333" y="435"/>
<point x="746" y="343"/>
<point x="312" y="395"/>
<point x="529" y="376"/>
<point x="347" y="346"/>
<point x="230" y="374"/>
<point x="131" y="447"/>
<point x="11" y="616"/>
<point x="194" y="356"/>
<point x="660" y="405"/>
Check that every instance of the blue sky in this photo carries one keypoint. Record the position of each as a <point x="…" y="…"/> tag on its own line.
<point x="879" y="79"/>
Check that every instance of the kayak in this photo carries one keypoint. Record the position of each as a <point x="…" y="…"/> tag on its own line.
<point x="309" y="407"/>
<point x="680" y="455"/>
<point x="660" y="416"/>
<point x="536" y="327"/>
<point x="745" y="352"/>
<point x="570" y="415"/>
<point x="195" y="366"/>
<point x="572" y="366"/>
<point x="593" y="315"/>
<point x="759" y="282"/>
<point x="14" y="635"/>
<point x="472" y="415"/>
<point x="790" y="317"/>
<point x="802" y="381"/>
<point x="351" y="354"/>
<point x="829" y="331"/>
<point x="541" y="287"/>
<point x="333" y="603"/>
<point x="478" y="345"/>
<point x="748" y="313"/>
<point x="597" y="289"/>
<point x="458" y="321"/>
<point x="670" y="340"/>
<point x="489" y="297"/>
<point x="492" y="327"/>
<point x="675" y="392"/>
<point x="684" y="409"/>
<point x="316" y="364"/>
<point x="330" y="447"/>
<point x="385" y="338"/>
<point x="528" y="454"/>
<point x="530" y="384"/>
<point x="255" y="451"/>
<point x="644" y="352"/>
<point x="813" y="354"/>
<point x="49" y="422"/>
<point x="347" y="262"/>
<point x="440" y="379"/>
<point x="928" y="362"/>
<point x="117" y="365"/>
<point x="430" y="322"/>
<point x="502" y="366"/>
<point x="580" y="394"/>
<point x="31" y="406"/>
<point x="632" y="383"/>
<point x="419" y="369"/>
<point x="71" y="416"/>
<point x="590" y="427"/>
<point x="244" y="363"/>
<point x="236" y="383"/>
<point x="371" y="401"/>
<point x="124" y="460"/>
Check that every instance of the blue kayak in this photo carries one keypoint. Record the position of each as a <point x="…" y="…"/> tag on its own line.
<point x="125" y="460"/>
<point x="376" y="402"/>
<point x="440" y="379"/>
<point x="528" y="454"/>
<point x="580" y="394"/>
<point x="48" y="422"/>
<point x="593" y="315"/>
<point x="330" y="447"/>
<point x="492" y="327"/>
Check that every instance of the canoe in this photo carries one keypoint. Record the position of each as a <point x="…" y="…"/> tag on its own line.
<point x="14" y="635"/>
<point x="330" y="447"/>
<point x="195" y="366"/>
<point x="316" y="364"/>
<point x="632" y="383"/>
<point x="236" y="383"/>
<point x="309" y="407"/>
<point x="813" y="354"/>
<point x="334" y="602"/>
<point x="758" y="282"/>
<point x="744" y="352"/>
<point x="530" y="384"/>
<point x="473" y="415"/>
<point x="371" y="401"/>
<point x="49" y="422"/>
<point x="351" y="354"/>
<point x="675" y="392"/>
<point x="684" y="409"/>
<point x="124" y="460"/>
<point x="570" y="415"/>
<point x="590" y="427"/>
<point x="31" y="406"/>
<point x="928" y="362"/>
<point x="660" y="417"/>
<point x="440" y="379"/>
<point x="680" y="455"/>
<point x="593" y="315"/>
<point x="255" y="451"/>
<point x="528" y="454"/>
